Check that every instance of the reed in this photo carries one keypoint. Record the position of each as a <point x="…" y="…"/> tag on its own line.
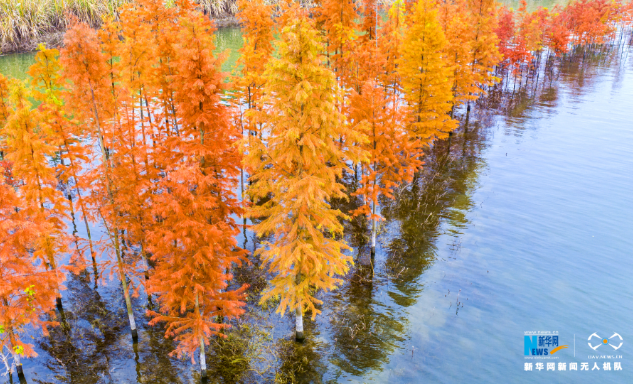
<point x="24" y="20"/>
<point x="27" y="20"/>
<point x="217" y="8"/>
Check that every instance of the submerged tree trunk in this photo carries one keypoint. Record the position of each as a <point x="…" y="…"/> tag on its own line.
<point x="373" y="233"/>
<point x="203" y="360"/>
<point x="128" y="302"/>
<point x="50" y="264"/>
<point x="448" y="149"/>
<point x="16" y="357"/>
<point x="19" y="368"/>
<point x="299" y="324"/>
<point x="203" y="357"/>
<point x="299" y="316"/>
<point x="114" y="231"/>
<point x="242" y="193"/>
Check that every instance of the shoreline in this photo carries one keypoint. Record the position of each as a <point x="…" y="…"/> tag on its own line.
<point x="55" y="38"/>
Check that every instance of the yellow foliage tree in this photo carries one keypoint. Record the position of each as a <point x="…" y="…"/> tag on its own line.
<point x="425" y="74"/>
<point x="298" y="169"/>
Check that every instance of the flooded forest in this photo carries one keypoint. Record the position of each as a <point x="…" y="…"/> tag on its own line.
<point x="337" y="191"/>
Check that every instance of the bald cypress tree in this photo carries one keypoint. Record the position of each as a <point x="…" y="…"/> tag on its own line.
<point x="425" y="74"/>
<point x="298" y="167"/>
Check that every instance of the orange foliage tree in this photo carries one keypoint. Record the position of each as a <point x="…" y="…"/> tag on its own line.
<point x="519" y="54"/>
<point x="27" y="290"/>
<point x="366" y="60"/>
<point x="193" y="240"/>
<point x="369" y="25"/>
<point x="483" y="44"/>
<point x="256" y="17"/>
<point x="338" y="18"/>
<point x="248" y="81"/>
<point x="393" y="158"/>
<point x="459" y="51"/>
<point x="136" y="154"/>
<point x="158" y="86"/>
<point x="28" y="150"/>
<point x="62" y="132"/>
<point x="95" y="94"/>
<point x="505" y="32"/>
<point x="558" y="34"/>
<point x="391" y="36"/>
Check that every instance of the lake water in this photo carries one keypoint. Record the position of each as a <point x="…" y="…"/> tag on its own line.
<point x="520" y="223"/>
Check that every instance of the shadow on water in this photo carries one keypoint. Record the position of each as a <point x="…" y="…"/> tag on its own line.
<point x="80" y="349"/>
<point x="89" y="346"/>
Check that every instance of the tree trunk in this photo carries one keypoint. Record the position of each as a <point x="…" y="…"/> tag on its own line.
<point x="373" y="233"/>
<point x="203" y="360"/>
<point x="299" y="324"/>
<point x="83" y="211"/>
<point x="128" y="304"/>
<point x="16" y="356"/>
<point x="299" y="313"/>
<point x="18" y="368"/>
<point x="203" y="357"/>
<point x="114" y="231"/>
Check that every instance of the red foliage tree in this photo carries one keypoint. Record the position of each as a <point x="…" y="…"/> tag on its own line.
<point x="505" y="32"/>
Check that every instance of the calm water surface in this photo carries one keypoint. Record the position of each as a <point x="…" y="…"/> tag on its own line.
<point x="520" y="223"/>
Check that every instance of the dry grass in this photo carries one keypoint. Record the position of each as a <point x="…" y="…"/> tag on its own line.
<point x="25" y="21"/>
<point x="218" y="8"/>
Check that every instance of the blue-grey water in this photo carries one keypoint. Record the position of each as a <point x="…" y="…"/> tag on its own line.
<point x="521" y="222"/>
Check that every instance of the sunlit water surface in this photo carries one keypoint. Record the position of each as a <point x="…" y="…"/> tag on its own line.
<point x="523" y="226"/>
